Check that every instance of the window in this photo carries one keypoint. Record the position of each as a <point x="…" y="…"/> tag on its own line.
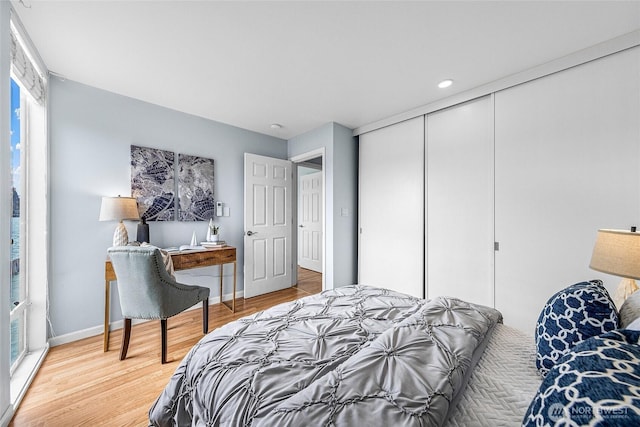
<point x="28" y="216"/>
<point x="18" y="292"/>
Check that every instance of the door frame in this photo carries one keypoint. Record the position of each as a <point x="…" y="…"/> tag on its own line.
<point x="301" y="158"/>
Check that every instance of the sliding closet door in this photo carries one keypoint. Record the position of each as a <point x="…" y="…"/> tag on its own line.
<point x="459" y="192"/>
<point x="567" y="163"/>
<point x="391" y="207"/>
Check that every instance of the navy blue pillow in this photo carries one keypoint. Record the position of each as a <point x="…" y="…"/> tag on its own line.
<point x="596" y="383"/>
<point x="570" y="316"/>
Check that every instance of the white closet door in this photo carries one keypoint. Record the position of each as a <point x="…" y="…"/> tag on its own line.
<point x="459" y="160"/>
<point x="567" y="163"/>
<point x="391" y="207"/>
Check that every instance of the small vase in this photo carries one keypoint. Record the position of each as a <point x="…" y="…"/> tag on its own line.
<point x="209" y="233"/>
<point x="214" y="238"/>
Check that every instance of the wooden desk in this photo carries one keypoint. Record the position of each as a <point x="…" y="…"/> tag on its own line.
<point x="181" y="261"/>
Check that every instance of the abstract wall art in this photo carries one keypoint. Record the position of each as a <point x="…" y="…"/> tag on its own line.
<point x="153" y="182"/>
<point x="195" y="188"/>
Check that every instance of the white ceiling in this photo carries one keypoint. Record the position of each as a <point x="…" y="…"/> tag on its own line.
<point x="303" y="64"/>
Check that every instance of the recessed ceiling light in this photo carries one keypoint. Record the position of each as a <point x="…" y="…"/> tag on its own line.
<point x="445" y="83"/>
<point x="276" y="126"/>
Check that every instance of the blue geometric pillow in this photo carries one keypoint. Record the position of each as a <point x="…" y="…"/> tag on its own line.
<point x="572" y="315"/>
<point x="596" y="383"/>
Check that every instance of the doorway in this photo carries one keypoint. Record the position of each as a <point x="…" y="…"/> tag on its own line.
<point x="310" y="213"/>
<point x="310" y="221"/>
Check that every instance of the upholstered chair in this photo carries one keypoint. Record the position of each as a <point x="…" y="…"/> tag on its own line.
<point x="148" y="292"/>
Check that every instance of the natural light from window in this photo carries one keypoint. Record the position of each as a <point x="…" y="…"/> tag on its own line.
<point x="18" y="291"/>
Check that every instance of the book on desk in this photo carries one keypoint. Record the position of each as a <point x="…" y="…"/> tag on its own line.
<point x="200" y="247"/>
<point x="218" y="244"/>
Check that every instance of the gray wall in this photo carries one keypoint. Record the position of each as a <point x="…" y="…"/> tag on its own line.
<point x="345" y="202"/>
<point x="341" y="172"/>
<point x="90" y="136"/>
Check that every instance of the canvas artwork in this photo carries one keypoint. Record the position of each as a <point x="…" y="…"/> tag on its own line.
<point x="153" y="183"/>
<point x="195" y="188"/>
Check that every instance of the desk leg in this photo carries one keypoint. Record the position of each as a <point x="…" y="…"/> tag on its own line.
<point x="231" y="306"/>
<point x="107" y="299"/>
<point x="221" y="277"/>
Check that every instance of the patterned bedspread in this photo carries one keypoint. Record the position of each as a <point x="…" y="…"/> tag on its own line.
<point x="502" y="384"/>
<point x="356" y="355"/>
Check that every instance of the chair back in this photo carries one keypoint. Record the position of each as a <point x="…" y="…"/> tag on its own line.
<point x="142" y="282"/>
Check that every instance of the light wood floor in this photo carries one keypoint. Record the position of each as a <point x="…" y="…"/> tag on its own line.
<point x="79" y="384"/>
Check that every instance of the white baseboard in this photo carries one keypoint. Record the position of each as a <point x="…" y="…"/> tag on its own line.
<point x="6" y="417"/>
<point x="118" y="324"/>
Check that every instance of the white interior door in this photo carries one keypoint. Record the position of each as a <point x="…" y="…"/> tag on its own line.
<point x="310" y="222"/>
<point x="267" y="224"/>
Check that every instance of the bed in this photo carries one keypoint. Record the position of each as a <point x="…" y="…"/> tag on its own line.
<point x="359" y="355"/>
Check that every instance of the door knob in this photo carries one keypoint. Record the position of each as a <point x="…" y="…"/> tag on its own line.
<point x="251" y="233"/>
<point x="301" y="226"/>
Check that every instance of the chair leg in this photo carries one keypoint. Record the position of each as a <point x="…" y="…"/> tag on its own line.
<point x="205" y="316"/>
<point x="126" y="335"/>
<point x="163" y="327"/>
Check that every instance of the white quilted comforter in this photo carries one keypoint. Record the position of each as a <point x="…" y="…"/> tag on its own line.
<point x="503" y="383"/>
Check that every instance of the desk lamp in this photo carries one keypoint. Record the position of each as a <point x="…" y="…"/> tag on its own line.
<point x="618" y="252"/>
<point x="118" y="209"/>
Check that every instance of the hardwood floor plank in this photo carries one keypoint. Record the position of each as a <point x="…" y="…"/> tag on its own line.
<point x="79" y="384"/>
<point x="308" y="280"/>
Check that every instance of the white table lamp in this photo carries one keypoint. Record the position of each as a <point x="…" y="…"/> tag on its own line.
<point x="618" y="252"/>
<point x="118" y="209"/>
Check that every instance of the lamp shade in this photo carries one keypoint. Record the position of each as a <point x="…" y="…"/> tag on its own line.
<point x="118" y="208"/>
<point x="617" y="252"/>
